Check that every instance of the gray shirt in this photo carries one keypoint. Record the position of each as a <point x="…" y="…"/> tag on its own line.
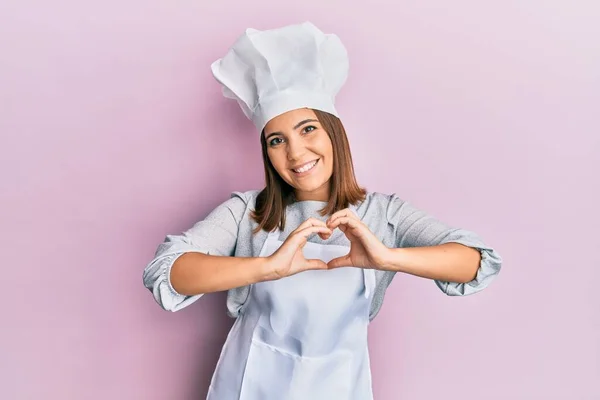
<point x="227" y="231"/>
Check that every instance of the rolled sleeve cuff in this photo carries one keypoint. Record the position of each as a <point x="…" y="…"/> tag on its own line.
<point x="164" y="292"/>
<point x="489" y="269"/>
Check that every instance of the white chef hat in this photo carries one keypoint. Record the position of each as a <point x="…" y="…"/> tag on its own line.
<point x="278" y="70"/>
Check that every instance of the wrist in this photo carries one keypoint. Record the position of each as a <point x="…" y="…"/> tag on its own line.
<point x="392" y="259"/>
<point x="266" y="269"/>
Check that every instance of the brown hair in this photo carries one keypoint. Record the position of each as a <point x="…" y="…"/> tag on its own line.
<point x="344" y="190"/>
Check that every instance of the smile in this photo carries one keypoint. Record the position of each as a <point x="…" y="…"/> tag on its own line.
<point x="306" y="167"/>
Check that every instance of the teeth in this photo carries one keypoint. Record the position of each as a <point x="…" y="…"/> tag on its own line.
<point x="306" y="167"/>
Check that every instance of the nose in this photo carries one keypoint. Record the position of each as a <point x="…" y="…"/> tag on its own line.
<point x="295" y="149"/>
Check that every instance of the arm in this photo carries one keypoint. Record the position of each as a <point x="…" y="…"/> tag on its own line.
<point x="198" y="273"/>
<point x="451" y="262"/>
<point x="457" y="260"/>
<point x="199" y="261"/>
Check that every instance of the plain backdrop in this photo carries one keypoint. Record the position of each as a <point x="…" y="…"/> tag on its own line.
<point x="114" y="134"/>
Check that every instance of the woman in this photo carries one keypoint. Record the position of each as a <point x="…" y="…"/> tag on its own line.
<point x="307" y="260"/>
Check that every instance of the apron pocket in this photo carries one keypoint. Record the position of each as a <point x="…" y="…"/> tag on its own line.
<point x="272" y="373"/>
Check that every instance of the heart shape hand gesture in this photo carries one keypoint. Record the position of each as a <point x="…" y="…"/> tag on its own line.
<point x="366" y="250"/>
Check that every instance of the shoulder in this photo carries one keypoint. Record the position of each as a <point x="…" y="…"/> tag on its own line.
<point x="240" y="202"/>
<point x="380" y="205"/>
<point x="236" y="206"/>
<point x="380" y="200"/>
<point x="248" y="198"/>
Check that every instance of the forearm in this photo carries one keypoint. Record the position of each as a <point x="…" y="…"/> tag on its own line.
<point x="196" y="273"/>
<point x="451" y="262"/>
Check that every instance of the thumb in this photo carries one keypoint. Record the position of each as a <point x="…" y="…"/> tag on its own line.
<point x="316" y="264"/>
<point x="343" y="261"/>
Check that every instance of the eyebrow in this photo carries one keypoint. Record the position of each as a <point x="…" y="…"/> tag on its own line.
<point x="298" y="125"/>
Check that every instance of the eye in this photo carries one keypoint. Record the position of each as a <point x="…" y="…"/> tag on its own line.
<point x="275" y="141"/>
<point x="309" y="129"/>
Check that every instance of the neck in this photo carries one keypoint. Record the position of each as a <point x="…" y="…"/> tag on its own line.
<point x="320" y="194"/>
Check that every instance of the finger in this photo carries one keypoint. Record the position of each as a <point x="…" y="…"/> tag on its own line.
<point x="350" y="222"/>
<point x="302" y="236"/>
<point x="338" y="262"/>
<point x="297" y="240"/>
<point x="346" y="212"/>
<point x="324" y="236"/>
<point x="341" y="213"/>
<point x="310" y="222"/>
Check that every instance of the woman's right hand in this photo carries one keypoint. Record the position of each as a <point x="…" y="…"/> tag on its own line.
<point x="288" y="259"/>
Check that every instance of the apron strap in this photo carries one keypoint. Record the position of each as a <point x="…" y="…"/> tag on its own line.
<point x="274" y="234"/>
<point x="370" y="281"/>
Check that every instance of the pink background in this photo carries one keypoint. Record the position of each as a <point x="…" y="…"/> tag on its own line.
<point x="114" y="133"/>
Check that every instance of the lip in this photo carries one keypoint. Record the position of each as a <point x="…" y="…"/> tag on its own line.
<point x="303" y="164"/>
<point x="306" y="172"/>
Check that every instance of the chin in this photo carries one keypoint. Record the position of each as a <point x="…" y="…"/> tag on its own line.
<point x="308" y="187"/>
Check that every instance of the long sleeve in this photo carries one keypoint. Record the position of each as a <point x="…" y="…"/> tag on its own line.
<point x="215" y="235"/>
<point x="415" y="228"/>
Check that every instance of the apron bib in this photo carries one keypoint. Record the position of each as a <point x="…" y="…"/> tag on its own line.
<point x="302" y="337"/>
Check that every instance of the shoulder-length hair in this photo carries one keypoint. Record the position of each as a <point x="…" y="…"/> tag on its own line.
<point x="272" y="201"/>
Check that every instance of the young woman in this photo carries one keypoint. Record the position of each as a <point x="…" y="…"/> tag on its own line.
<point x="306" y="261"/>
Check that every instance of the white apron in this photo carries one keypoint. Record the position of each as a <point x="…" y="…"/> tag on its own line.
<point x="303" y="337"/>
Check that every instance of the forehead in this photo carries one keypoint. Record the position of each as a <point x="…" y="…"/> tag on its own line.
<point x="288" y="120"/>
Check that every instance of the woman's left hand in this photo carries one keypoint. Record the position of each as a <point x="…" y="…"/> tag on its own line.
<point x="366" y="250"/>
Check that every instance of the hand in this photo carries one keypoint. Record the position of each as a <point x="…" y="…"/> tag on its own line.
<point x="288" y="259"/>
<point x="366" y="250"/>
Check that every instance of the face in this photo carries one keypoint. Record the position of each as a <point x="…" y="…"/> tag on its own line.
<point x="301" y="152"/>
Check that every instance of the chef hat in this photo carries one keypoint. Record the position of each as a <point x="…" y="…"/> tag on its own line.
<point x="274" y="71"/>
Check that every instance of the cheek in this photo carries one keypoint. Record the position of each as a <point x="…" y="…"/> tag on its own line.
<point x="323" y="145"/>
<point x="329" y="164"/>
<point x="328" y="153"/>
<point x="277" y="160"/>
